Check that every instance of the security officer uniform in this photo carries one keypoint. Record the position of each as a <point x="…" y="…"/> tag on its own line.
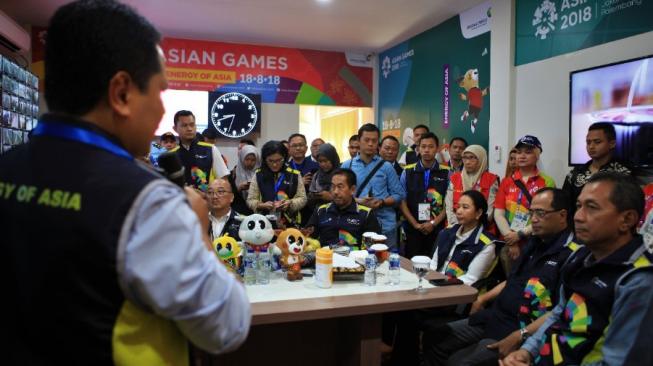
<point x="424" y="186"/>
<point x="336" y="226"/>
<point x="198" y="163"/>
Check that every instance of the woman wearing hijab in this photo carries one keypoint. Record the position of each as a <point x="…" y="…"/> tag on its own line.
<point x="244" y="172"/>
<point x="277" y="188"/>
<point x="320" y="189"/>
<point x="474" y="176"/>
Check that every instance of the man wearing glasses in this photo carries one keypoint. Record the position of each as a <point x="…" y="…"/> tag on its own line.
<point x="223" y="221"/>
<point x="305" y="166"/>
<point x="520" y="305"/>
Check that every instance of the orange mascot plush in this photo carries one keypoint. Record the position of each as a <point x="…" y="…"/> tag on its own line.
<point x="291" y="242"/>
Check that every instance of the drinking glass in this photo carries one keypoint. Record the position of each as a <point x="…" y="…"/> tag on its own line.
<point x="421" y="268"/>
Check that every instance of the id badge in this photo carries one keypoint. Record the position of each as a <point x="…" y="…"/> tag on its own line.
<point x="423" y="212"/>
<point x="520" y="221"/>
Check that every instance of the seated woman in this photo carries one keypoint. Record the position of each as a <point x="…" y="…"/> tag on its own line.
<point x="473" y="176"/>
<point x="320" y="190"/>
<point x="466" y="250"/>
<point x="277" y="188"/>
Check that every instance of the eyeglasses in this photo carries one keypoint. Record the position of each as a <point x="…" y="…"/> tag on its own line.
<point x="217" y="193"/>
<point x="540" y="213"/>
<point x="274" y="161"/>
<point x="470" y="157"/>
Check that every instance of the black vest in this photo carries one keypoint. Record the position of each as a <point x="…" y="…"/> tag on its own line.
<point x="433" y="194"/>
<point x="198" y="164"/>
<point x="411" y="155"/>
<point x="61" y="225"/>
<point x="465" y="251"/>
<point x="287" y="189"/>
<point x="590" y="293"/>
<point x="342" y="226"/>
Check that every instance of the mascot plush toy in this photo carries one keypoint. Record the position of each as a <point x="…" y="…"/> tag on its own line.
<point x="291" y="242"/>
<point x="229" y="252"/>
<point x="256" y="231"/>
<point x="474" y="96"/>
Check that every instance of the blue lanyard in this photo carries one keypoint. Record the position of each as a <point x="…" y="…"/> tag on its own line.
<point x="82" y="135"/>
<point x="427" y="176"/>
<point x="277" y="185"/>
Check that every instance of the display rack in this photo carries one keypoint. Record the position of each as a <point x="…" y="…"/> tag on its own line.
<point x="19" y="104"/>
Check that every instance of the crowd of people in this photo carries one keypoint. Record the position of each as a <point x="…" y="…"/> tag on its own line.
<point x="533" y="240"/>
<point x="107" y="262"/>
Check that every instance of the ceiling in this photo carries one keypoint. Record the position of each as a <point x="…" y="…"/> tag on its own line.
<point x="335" y="25"/>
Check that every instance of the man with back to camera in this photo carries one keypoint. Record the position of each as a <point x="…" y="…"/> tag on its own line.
<point x="202" y="161"/>
<point x="601" y="141"/>
<point x="377" y="183"/>
<point x="410" y="156"/>
<point x="111" y="268"/>
<point x="519" y="304"/>
<point x="343" y="221"/>
<point x="605" y="309"/>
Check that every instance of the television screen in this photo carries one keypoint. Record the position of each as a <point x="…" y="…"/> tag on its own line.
<point x="622" y="94"/>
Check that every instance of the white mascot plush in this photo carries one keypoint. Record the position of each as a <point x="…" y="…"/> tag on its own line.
<point x="256" y="231"/>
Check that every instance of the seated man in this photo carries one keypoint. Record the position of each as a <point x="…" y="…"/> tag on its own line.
<point x="343" y="221"/>
<point x="520" y="303"/>
<point x="605" y="309"/>
<point x="222" y="218"/>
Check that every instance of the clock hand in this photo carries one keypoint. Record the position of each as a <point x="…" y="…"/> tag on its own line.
<point x="228" y="116"/>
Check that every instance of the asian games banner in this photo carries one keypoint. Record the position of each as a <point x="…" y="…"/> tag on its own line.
<point x="440" y="78"/>
<point x="279" y="75"/>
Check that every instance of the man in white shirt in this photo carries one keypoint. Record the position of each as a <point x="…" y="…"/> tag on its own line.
<point x="223" y="221"/>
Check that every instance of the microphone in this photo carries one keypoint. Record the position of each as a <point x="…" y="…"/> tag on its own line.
<point x="172" y="168"/>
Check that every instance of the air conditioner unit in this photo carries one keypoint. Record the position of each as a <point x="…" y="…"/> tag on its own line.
<point x="12" y="35"/>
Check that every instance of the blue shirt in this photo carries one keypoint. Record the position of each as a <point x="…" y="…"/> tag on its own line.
<point x="383" y="184"/>
<point x="307" y="166"/>
<point x="630" y="335"/>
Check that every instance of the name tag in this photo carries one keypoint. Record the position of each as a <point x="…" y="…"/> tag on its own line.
<point x="423" y="212"/>
<point x="520" y="220"/>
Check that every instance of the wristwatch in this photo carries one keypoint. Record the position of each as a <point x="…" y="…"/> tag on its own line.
<point x="523" y="334"/>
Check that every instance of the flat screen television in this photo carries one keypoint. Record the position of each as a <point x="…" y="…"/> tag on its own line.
<point x="622" y="94"/>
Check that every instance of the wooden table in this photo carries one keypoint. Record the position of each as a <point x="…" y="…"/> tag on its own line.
<point x="335" y="330"/>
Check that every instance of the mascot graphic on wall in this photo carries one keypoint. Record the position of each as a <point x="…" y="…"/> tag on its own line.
<point x="473" y="95"/>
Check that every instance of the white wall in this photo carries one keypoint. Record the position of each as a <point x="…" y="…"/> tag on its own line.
<point x="542" y="95"/>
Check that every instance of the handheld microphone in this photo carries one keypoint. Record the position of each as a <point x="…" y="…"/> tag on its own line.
<point x="172" y="168"/>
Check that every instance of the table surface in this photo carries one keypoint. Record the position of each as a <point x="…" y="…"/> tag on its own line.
<point x="386" y="299"/>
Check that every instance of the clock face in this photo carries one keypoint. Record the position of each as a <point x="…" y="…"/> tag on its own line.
<point x="234" y="115"/>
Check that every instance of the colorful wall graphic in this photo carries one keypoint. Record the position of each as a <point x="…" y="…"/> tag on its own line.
<point x="440" y="78"/>
<point x="547" y="28"/>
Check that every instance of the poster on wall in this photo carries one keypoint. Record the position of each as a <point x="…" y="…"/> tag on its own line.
<point x="547" y="28"/>
<point x="440" y="78"/>
<point x="278" y="74"/>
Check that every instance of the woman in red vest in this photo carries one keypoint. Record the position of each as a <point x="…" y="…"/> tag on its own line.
<point x="473" y="176"/>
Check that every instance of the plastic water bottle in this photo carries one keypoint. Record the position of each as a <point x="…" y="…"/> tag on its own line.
<point x="263" y="273"/>
<point x="250" y="267"/>
<point x="395" y="264"/>
<point x="370" y="268"/>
